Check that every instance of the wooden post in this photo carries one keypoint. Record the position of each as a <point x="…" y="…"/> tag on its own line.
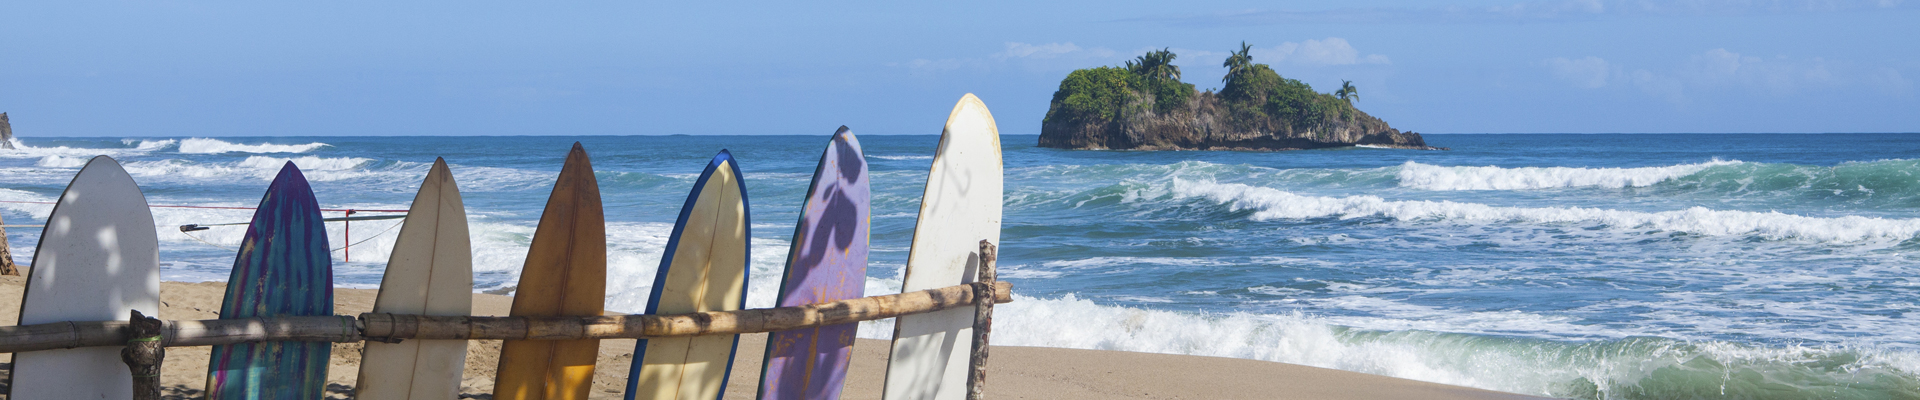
<point x="6" y="254"/>
<point x="143" y="355"/>
<point x="982" y="320"/>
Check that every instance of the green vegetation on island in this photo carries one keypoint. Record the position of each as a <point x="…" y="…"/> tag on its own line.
<point x="1144" y="105"/>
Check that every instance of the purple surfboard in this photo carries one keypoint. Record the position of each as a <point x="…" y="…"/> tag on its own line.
<point x="828" y="262"/>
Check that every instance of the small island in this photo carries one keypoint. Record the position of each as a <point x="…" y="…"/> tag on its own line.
<point x="1145" y="106"/>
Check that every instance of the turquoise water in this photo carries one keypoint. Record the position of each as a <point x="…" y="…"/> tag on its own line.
<point x="1586" y="266"/>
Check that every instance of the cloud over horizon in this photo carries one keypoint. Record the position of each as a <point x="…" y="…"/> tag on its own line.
<point x="1532" y="11"/>
<point x="1720" y="69"/>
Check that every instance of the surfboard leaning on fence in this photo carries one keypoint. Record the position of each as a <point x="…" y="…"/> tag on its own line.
<point x="827" y="262"/>
<point x="284" y="268"/>
<point x="565" y="275"/>
<point x="704" y="268"/>
<point x="961" y="207"/>
<point x="100" y="243"/>
<point x="429" y="273"/>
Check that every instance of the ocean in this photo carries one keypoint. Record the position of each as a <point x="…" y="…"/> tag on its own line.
<point x="1739" y="266"/>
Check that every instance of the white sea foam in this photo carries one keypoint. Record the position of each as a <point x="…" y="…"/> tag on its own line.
<point x="1269" y="204"/>
<point x="22" y="150"/>
<point x="216" y="146"/>
<point x="1434" y="177"/>
<point x="902" y="158"/>
<point x="149" y="144"/>
<point x="1514" y="365"/>
<point x="62" y="162"/>
<point x="26" y="202"/>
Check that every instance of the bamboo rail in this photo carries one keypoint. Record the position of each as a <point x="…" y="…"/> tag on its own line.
<point x="394" y="327"/>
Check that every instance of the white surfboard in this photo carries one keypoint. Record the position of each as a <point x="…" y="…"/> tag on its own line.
<point x="98" y="259"/>
<point x="960" y="208"/>
<point x="429" y="273"/>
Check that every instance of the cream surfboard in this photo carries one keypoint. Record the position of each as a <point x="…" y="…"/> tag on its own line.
<point x="960" y="208"/>
<point x="98" y="259"/>
<point x="429" y="273"/>
<point x="703" y="269"/>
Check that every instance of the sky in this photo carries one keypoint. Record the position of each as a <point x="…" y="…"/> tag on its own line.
<point x="199" y="68"/>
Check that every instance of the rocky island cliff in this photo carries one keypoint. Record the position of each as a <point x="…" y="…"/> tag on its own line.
<point x="6" y="133"/>
<point x="1145" y="106"/>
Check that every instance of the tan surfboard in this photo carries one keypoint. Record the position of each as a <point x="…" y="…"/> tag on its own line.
<point x="565" y="275"/>
<point x="961" y="207"/>
<point x="429" y="273"/>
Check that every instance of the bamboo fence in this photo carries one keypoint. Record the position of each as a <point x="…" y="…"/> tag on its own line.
<point x="146" y="338"/>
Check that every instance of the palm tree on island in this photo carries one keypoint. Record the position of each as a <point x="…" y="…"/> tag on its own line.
<point x="1239" y="62"/>
<point x="1155" y="65"/>
<point x="1347" y="92"/>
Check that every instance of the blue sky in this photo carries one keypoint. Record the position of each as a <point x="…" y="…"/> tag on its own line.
<point x="184" y="68"/>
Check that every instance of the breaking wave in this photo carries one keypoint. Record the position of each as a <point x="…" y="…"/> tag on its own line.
<point x="216" y="146"/>
<point x="1432" y="177"/>
<point x="1269" y="204"/>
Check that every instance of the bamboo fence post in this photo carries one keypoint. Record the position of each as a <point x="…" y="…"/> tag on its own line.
<point x="982" y="320"/>
<point x="6" y="253"/>
<point x="143" y="355"/>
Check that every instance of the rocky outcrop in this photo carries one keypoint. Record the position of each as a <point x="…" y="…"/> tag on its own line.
<point x="1206" y="124"/>
<point x="6" y="132"/>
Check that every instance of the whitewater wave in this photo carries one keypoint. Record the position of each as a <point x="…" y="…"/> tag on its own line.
<point x="149" y="144"/>
<point x="320" y="169"/>
<point x="1270" y="204"/>
<point x="1433" y="177"/>
<point x="22" y="150"/>
<point x="62" y="162"/>
<point x="902" y="158"/>
<point x="1634" y="367"/>
<point x="216" y="146"/>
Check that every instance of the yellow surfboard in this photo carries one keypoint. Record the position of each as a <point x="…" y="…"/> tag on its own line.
<point x="565" y="275"/>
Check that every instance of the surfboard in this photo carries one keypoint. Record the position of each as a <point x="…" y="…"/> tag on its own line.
<point x="961" y="206"/>
<point x="565" y="275"/>
<point x="828" y="262"/>
<point x="704" y="268"/>
<point x="430" y="272"/>
<point x="284" y="268"/>
<point x="98" y="259"/>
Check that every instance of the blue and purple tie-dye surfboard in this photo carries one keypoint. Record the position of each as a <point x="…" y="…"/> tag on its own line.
<point x="284" y="268"/>
<point x="828" y="262"/>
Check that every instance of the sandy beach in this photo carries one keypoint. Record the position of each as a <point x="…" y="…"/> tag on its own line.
<point x="1014" y="372"/>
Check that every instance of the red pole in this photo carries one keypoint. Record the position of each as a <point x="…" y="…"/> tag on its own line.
<point x="347" y="234"/>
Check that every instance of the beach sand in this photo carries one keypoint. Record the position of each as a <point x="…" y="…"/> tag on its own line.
<point x="1013" y="372"/>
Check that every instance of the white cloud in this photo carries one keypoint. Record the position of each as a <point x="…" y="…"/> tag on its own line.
<point x="1665" y="87"/>
<point x="1722" y="69"/>
<point x="1533" y="11"/>
<point x="1590" y="72"/>
<point x="924" y="66"/>
<point x="1051" y="50"/>
<point x="1329" y="51"/>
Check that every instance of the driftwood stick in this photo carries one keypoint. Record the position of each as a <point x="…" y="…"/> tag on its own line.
<point x="985" y="287"/>
<point x="143" y="355"/>
<point x="6" y="253"/>
<point x="389" y="327"/>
